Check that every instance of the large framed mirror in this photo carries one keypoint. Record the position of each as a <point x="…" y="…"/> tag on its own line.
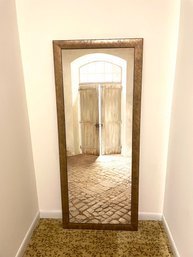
<point x="98" y="97"/>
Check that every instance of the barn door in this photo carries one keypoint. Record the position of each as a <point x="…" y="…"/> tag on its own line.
<point x="111" y="118"/>
<point x="89" y="116"/>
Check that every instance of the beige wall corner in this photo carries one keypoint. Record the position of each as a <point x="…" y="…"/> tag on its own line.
<point x="178" y="206"/>
<point x="18" y="196"/>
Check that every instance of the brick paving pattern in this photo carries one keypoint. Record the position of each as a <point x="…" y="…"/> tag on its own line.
<point x="99" y="189"/>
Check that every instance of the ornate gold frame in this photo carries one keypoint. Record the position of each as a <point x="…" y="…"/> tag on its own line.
<point x="137" y="45"/>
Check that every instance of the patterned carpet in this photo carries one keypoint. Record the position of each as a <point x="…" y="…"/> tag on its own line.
<point x="50" y="239"/>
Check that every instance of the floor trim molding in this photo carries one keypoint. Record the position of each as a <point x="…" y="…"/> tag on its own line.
<point x="150" y="216"/>
<point x="28" y="235"/>
<point x="171" y="239"/>
<point x="55" y="214"/>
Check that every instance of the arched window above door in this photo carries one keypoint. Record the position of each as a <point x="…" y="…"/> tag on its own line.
<point x="100" y="71"/>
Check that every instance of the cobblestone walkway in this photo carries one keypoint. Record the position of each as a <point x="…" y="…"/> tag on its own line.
<point x="99" y="189"/>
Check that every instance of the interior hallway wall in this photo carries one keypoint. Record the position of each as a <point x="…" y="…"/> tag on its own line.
<point x="18" y="195"/>
<point x="178" y="207"/>
<point x="40" y="22"/>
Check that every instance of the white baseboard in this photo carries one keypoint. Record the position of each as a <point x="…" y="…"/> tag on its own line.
<point x="150" y="216"/>
<point x="172" y="242"/>
<point x="28" y="235"/>
<point x="56" y="214"/>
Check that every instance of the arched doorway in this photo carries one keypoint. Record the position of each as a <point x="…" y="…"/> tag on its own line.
<point x="100" y="80"/>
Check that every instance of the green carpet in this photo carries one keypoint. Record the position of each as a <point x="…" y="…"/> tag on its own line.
<point x="50" y="239"/>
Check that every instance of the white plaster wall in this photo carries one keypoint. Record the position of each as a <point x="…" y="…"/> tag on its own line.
<point x="40" y="22"/>
<point x="18" y="195"/>
<point x="178" y="207"/>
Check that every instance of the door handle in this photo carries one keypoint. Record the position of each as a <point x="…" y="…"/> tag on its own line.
<point x="97" y="125"/>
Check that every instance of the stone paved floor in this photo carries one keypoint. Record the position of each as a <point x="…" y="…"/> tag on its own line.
<point x="99" y="189"/>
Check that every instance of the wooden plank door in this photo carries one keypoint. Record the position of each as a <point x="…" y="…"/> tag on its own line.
<point x="89" y="117"/>
<point x="111" y="118"/>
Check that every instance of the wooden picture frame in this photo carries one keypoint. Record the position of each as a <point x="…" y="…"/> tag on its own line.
<point x="137" y="45"/>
